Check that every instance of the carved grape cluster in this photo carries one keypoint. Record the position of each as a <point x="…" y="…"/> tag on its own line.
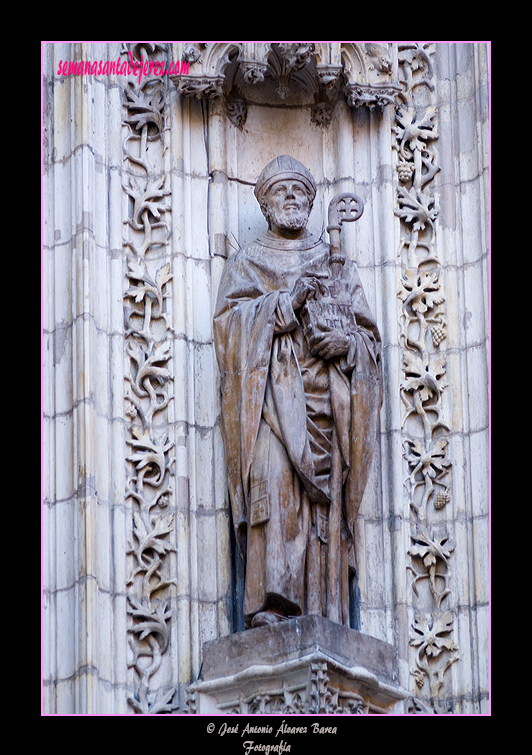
<point x="441" y="500"/>
<point x="405" y="171"/>
<point x="438" y="335"/>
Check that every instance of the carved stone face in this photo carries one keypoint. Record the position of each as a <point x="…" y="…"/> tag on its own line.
<point x="287" y="205"/>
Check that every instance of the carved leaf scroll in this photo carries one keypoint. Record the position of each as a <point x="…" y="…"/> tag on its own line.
<point x="145" y="111"/>
<point x="429" y="632"/>
<point x="416" y="207"/>
<point x="421" y="290"/>
<point x="423" y="330"/>
<point x="149" y="378"/>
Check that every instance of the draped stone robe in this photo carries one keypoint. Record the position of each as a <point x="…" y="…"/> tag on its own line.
<point x="298" y="430"/>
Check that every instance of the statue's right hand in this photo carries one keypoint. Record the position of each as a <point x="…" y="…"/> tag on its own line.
<point x="305" y="288"/>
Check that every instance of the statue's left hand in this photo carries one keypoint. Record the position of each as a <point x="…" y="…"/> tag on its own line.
<point x="329" y="344"/>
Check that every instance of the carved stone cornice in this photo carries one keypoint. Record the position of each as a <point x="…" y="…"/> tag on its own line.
<point x="287" y="74"/>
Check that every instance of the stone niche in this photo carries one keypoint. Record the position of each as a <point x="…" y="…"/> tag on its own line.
<point x="261" y="98"/>
<point x="301" y="666"/>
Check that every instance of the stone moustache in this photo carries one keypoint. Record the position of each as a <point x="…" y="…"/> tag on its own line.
<point x="299" y="411"/>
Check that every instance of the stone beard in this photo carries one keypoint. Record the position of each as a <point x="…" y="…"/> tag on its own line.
<point x="298" y="419"/>
<point x="293" y="220"/>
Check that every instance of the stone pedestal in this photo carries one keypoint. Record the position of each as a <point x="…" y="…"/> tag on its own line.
<point x="305" y="665"/>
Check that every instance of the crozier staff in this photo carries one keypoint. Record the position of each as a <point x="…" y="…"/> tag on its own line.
<point x="299" y="420"/>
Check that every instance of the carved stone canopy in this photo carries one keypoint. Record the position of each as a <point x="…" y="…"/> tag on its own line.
<point x="288" y="74"/>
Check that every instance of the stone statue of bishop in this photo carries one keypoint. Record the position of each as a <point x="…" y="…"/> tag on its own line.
<point x="299" y="411"/>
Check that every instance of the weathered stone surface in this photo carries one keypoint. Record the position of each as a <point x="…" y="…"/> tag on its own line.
<point x="295" y="639"/>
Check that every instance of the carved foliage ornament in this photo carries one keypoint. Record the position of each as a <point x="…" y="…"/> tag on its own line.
<point x="423" y="331"/>
<point x="150" y="459"/>
<point x="317" y="695"/>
